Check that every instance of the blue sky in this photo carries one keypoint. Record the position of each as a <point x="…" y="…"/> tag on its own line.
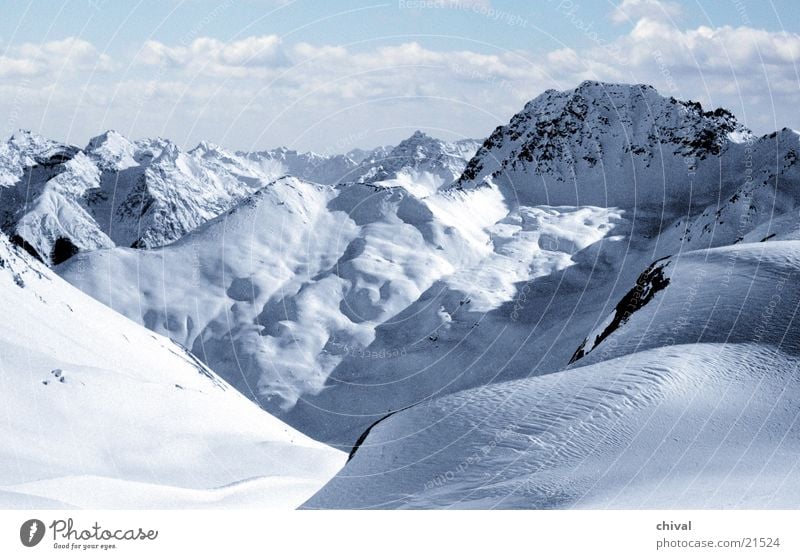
<point x="328" y="76"/>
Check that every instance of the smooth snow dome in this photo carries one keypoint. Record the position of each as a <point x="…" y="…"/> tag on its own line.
<point x="594" y="307"/>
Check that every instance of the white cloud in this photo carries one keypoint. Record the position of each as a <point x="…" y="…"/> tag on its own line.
<point x="37" y="59"/>
<point x="727" y="66"/>
<point x="712" y="48"/>
<point x="311" y="92"/>
<point x="205" y="55"/>
<point x="634" y="10"/>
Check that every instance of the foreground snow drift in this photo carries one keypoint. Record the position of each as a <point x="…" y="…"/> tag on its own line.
<point x="99" y="412"/>
<point x="694" y="426"/>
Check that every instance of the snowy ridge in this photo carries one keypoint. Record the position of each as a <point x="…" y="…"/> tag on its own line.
<point x="741" y="293"/>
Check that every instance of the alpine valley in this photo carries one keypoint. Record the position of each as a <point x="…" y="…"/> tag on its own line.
<point x="593" y="307"/>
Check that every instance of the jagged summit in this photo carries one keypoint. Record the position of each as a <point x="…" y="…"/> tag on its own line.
<point x="606" y="144"/>
<point x="205" y="147"/>
<point x="112" y="151"/>
<point x="27" y="148"/>
<point x="420" y="163"/>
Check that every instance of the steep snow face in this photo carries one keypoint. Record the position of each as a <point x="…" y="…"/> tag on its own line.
<point x="687" y="426"/>
<point x="611" y="145"/>
<point x="177" y="194"/>
<point x="25" y="149"/>
<point x="114" y="152"/>
<point x="735" y="294"/>
<point x="763" y="207"/>
<point x="92" y="400"/>
<point x="115" y="192"/>
<point x="421" y="164"/>
<point x="43" y="210"/>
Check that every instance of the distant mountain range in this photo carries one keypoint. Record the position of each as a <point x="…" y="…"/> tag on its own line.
<point x="58" y="200"/>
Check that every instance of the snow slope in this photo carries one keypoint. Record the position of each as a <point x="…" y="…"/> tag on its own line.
<point x="688" y="426"/>
<point x="272" y="293"/>
<point x="732" y="294"/>
<point x="692" y="401"/>
<point x="99" y="412"/>
<point x="333" y="305"/>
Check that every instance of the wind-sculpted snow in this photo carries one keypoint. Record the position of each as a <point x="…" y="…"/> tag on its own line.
<point x="100" y="412"/>
<point x="686" y="426"/>
<point x="501" y="316"/>
<point x="275" y="292"/>
<point x="332" y="306"/>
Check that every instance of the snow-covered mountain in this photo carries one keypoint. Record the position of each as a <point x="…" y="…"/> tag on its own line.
<point x="58" y="200"/>
<point x="612" y="145"/>
<point x="278" y="291"/>
<point x="100" y="412"/>
<point x="333" y="305"/>
<point x="305" y="165"/>
<point x="566" y="248"/>
<point x="420" y="164"/>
